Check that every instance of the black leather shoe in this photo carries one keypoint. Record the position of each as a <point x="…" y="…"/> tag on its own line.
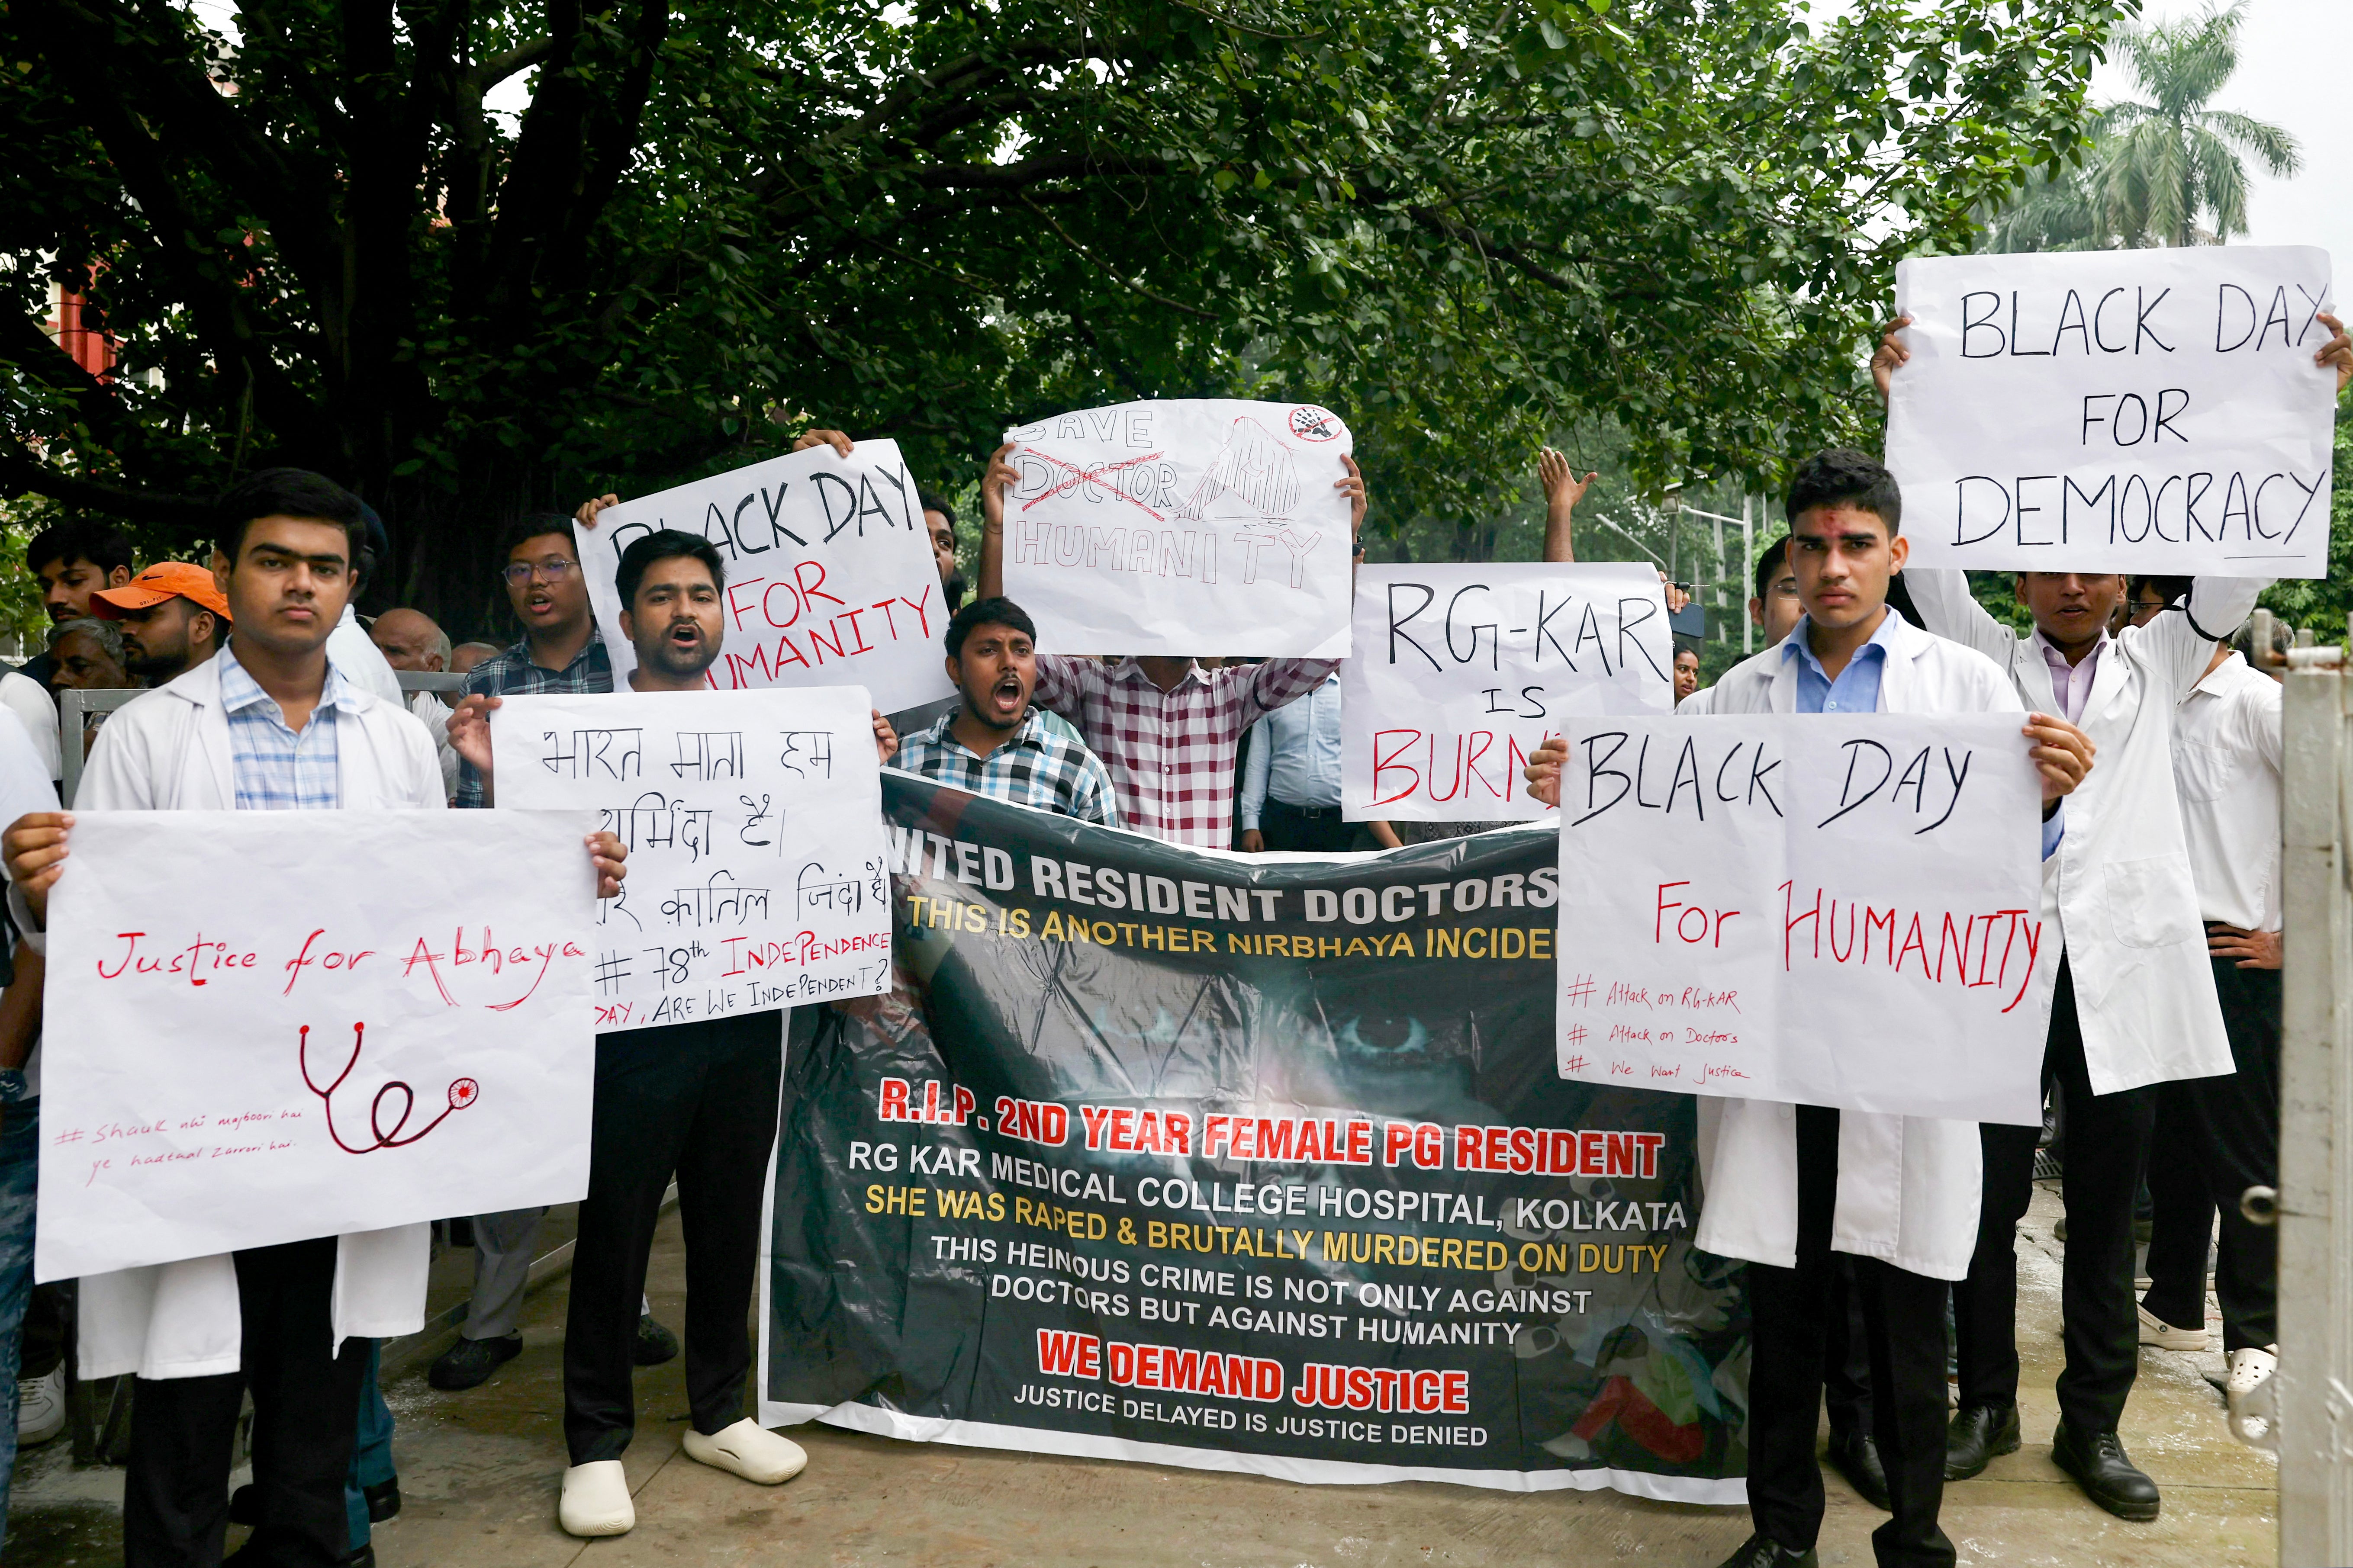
<point x="1980" y="1435"/>
<point x="655" y="1343"/>
<point x="1856" y="1457"/>
<point x="470" y="1361"/>
<point x="1763" y="1552"/>
<point x="2097" y="1462"/>
<point x="383" y="1501"/>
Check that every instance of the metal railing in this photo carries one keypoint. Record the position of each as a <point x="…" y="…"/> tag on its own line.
<point x="76" y="708"/>
<point x="2311" y="1392"/>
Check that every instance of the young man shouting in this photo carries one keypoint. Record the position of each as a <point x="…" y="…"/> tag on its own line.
<point x="996" y="743"/>
<point x="1788" y="1186"/>
<point x="270" y="725"/>
<point x="697" y="1100"/>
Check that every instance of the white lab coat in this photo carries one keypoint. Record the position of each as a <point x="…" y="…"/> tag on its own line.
<point x="362" y="663"/>
<point x="2122" y="901"/>
<point x="31" y="702"/>
<point x="169" y="750"/>
<point x="1907" y="1186"/>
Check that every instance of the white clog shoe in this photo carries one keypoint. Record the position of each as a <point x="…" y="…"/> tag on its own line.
<point x="750" y="1450"/>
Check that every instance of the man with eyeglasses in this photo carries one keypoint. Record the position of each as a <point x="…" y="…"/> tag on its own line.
<point x="560" y="651"/>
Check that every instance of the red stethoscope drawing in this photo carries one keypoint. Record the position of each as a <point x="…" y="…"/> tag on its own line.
<point x="463" y="1092"/>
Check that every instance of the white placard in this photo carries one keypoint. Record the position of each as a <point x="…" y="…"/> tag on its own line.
<point x="830" y="576"/>
<point x="1190" y="526"/>
<point x="1839" y="909"/>
<point x="265" y="1027"/>
<point x="1459" y="669"/>
<point x="2116" y="411"/>
<point x="753" y="819"/>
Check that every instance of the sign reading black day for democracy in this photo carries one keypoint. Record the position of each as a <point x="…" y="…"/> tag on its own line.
<point x="1162" y="1153"/>
<point x="2116" y="411"/>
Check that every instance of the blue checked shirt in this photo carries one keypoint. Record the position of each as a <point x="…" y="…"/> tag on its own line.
<point x="514" y="674"/>
<point x="276" y="769"/>
<point x="1045" y="764"/>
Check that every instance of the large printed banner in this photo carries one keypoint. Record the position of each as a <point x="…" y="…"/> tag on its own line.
<point x="1240" y="1163"/>
<point x="830" y="576"/>
<point x="1191" y="526"/>
<point x="756" y="876"/>
<point x="1837" y="909"/>
<point x="280" y="1035"/>
<point x="2116" y="411"/>
<point x="1459" y="669"/>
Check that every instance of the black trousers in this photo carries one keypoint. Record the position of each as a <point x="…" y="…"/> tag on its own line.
<point x="2107" y="1148"/>
<point x="184" y="1429"/>
<point x="1904" y="1323"/>
<point x="1313" y="830"/>
<point x="1846" y="1353"/>
<point x="698" y="1100"/>
<point x="2181" y="1207"/>
<point x="2226" y="1131"/>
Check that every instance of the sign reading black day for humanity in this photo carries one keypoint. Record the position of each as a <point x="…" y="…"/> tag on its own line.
<point x="830" y="576"/>
<point x="1459" y="669"/>
<point x="2116" y="411"/>
<point x="1838" y="910"/>
<point x="1161" y="1154"/>
<point x="1188" y="526"/>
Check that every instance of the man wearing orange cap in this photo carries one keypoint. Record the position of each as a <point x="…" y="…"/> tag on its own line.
<point x="174" y="618"/>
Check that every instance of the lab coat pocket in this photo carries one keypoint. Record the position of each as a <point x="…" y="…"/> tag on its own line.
<point x="2152" y="902"/>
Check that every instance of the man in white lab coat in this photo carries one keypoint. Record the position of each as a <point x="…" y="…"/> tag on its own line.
<point x="1788" y="1186"/>
<point x="270" y="724"/>
<point x="2136" y="1004"/>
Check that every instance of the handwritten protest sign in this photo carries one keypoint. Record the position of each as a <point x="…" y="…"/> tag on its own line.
<point x="2116" y="411"/>
<point x="278" y="1036"/>
<point x="830" y="577"/>
<point x="756" y="872"/>
<point x="1826" y="910"/>
<point x="1458" y="668"/>
<point x="1190" y="526"/>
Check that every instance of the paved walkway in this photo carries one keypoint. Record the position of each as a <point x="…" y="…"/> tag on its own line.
<point x="479" y="1472"/>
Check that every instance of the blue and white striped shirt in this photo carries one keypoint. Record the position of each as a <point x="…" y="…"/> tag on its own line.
<point x="276" y="769"/>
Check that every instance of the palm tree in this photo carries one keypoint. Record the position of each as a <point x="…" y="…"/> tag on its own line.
<point x="2162" y="165"/>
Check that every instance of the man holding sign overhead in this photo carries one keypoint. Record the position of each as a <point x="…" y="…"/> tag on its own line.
<point x="1788" y="1186"/>
<point x="2136" y="1004"/>
<point x="1168" y="729"/>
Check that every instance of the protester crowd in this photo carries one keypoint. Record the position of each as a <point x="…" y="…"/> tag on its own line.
<point x="2157" y="743"/>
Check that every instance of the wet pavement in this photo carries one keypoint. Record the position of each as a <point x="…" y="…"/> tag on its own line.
<point x="479" y="1472"/>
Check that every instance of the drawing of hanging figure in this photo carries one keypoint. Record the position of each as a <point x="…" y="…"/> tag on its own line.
<point x="1253" y="475"/>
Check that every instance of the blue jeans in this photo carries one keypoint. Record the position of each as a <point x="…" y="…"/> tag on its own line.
<point x="372" y="1459"/>
<point x="20" y="1150"/>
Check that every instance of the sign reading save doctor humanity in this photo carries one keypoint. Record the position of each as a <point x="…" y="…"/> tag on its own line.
<point x="1183" y="527"/>
<point x="2116" y="411"/>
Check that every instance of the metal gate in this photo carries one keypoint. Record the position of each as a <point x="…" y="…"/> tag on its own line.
<point x="2314" y="1384"/>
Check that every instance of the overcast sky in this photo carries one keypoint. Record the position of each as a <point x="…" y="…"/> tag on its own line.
<point x="2290" y="73"/>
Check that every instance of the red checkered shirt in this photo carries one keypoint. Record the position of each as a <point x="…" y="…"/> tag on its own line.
<point x="1171" y="755"/>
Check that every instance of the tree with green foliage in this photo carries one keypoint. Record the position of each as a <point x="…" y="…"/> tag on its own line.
<point x="2169" y="170"/>
<point x="1462" y="225"/>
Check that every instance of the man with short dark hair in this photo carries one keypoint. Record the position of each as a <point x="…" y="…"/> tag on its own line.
<point x="1787" y="1186"/>
<point x="694" y="1100"/>
<point x="2136" y="1004"/>
<point x="997" y="742"/>
<point x="940" y="522"/>
<point x="271" y="726"/>
<point x="173" y="617"/>
<point x="73" y="561"/>
<point x="560" y="651"/>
